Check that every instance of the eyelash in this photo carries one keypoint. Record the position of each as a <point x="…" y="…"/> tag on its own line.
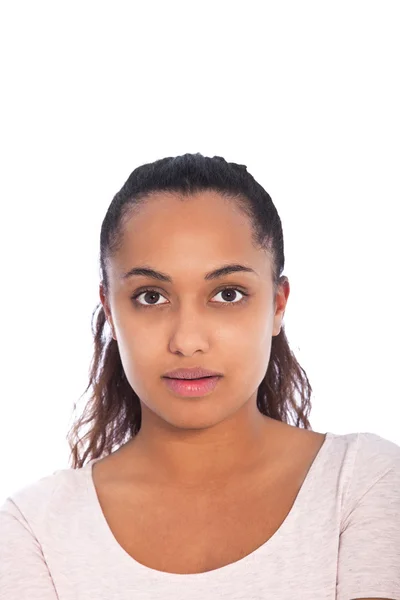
<point x="245" y="294"/>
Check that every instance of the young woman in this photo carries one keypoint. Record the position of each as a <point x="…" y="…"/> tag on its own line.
<point x="193" y="484"/>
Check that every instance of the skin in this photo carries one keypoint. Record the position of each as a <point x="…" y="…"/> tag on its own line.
<point x="195" y="442"/>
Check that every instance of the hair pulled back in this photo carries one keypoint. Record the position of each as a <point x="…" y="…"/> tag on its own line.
<point x="112" y="415"/>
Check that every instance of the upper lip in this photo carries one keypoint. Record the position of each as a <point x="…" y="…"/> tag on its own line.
<point x="193" y="373"/>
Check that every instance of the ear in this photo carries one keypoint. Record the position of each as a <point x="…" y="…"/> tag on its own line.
<point x="106" y="308"/>
<point x="281" y="299"/>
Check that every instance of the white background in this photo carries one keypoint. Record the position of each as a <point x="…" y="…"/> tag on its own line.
<point x="306" y="94"/>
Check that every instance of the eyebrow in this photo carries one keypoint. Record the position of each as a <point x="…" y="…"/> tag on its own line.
<point x="220" y="272"/>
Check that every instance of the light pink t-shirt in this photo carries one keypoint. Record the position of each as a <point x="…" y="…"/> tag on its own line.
<point x="340" y="541"/>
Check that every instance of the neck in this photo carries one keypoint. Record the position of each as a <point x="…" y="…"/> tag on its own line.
<point x="204" y="457"/>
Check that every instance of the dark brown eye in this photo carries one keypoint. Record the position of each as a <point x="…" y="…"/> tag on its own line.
<point x="229" y="294"/>
<point x="151" y="297"/>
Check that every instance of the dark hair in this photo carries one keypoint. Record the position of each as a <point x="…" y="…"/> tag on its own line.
<point x="113" y="411"/>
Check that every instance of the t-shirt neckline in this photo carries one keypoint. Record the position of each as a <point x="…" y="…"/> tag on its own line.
<point x="106" y="536"/>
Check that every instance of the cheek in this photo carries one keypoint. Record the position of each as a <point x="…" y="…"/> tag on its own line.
<point x="246" y="343"/>
<point x="140" y="357"/>
<point x="144" y="351"/>
<point x="250" y="347"/>
<point x="139" y="349"/>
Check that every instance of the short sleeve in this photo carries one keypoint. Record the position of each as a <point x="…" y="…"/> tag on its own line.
<point x="369" y="544"/>
<point x="23" y="570"/>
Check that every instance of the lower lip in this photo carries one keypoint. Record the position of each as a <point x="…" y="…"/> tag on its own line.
<point x="192" y="387"/>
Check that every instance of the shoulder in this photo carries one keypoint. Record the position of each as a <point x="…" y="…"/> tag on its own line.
<point x="376" y="456"/>
<point x="367" y="453"/>
<point x="369" y="561"/>
<point x="354" y="464"/>
<point x="36" y="521"/>
<point x="369" y="468"/>
<point x="371" y="454"/>
<point x="34" y="504"/>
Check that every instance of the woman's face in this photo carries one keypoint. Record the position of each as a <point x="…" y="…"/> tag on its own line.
<point x="188" y="322"/>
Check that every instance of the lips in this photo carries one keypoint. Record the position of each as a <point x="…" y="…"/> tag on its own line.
<point x="190" y="378"/>
<point x="191" y="373"/>
<point x="192" y="387"/>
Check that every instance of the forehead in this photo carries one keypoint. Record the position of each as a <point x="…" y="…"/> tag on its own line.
<point x="189" y="235"/>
